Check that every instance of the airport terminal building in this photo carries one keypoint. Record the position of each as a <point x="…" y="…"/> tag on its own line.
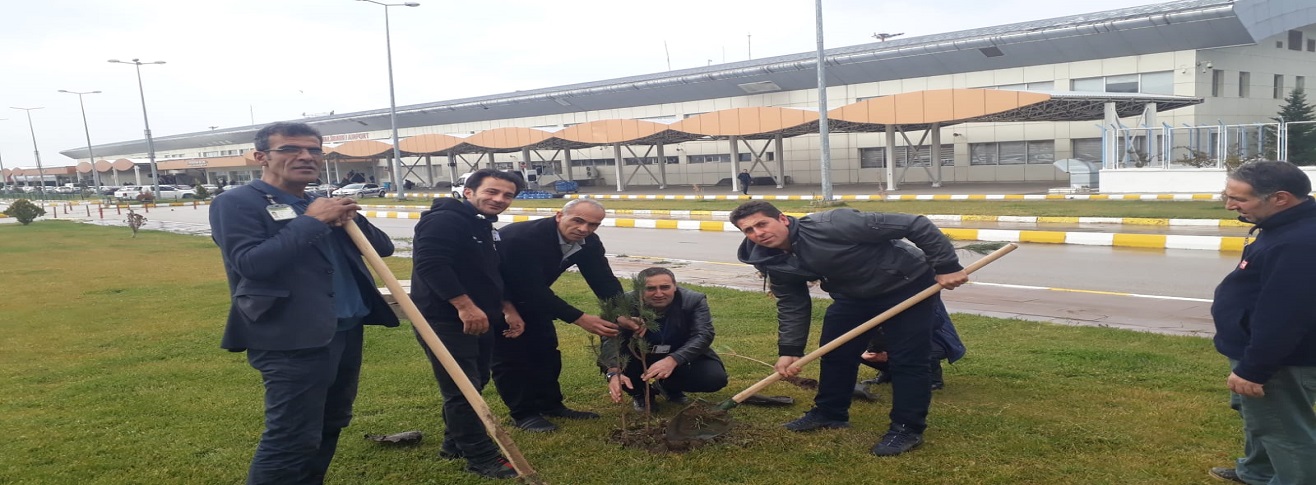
<point x="1154" y="96"/>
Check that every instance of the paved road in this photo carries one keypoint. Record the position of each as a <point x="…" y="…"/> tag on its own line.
<point x="1170" y="289"/>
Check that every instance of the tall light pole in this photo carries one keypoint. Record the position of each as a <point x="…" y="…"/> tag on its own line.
<point x="95" y="174"/>
<point x="824" y="138"/>
<point x="41" y="172"/>
<point x="4" y="181"/>
<point x="150" y="144"/>
<point x="392" y="101"/>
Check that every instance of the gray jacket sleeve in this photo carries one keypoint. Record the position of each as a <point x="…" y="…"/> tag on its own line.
<point x="869" y="227"/>
<point x="695" y="307"/>
<point x="794" y="313"/>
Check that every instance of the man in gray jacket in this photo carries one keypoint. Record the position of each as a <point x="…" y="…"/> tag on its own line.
<point x="680" y="355"/>
<point x="852" y="254"/>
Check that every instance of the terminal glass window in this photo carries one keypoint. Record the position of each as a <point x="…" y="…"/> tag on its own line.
<point x="1012" y="152"/>
<point x="1122" y="84"/>
<point x="1300" y="82"/>
<point x="715" y="158"/>
<point x="1092" y="84"/>
<point x="1279" y="87"/>
<point x="1157" y="83"/>
<point x="982" y="154"/>
<point x="1244" y="84"/>
<point x="749" y="157"/>
<point x="1087" y="149"/>
<point x="872" y="157"/>
<point x="1217" y="82"/>
<point x="1041" y="152"/>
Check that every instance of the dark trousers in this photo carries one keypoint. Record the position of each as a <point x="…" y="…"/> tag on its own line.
<point x="909" y="342"/>
<point x="704" y="374"/>
<point x="462" y="428"/>
<point x="526" y="369"/>
<point x="308" y="401"/>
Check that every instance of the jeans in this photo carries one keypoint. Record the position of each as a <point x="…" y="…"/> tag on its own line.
<point x="909" y="343"/>
<point x="308" y="401"/>
<point x="1279" y="429"/>
<point x="526" y="369"/>
<point x="462" y="428"/>
<point x="704" y="374"/>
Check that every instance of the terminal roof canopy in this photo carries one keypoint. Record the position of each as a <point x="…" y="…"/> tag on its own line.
<point x="1163" y="27"/>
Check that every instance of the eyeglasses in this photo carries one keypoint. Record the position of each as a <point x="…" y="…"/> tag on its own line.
<point x="295" y="150"/>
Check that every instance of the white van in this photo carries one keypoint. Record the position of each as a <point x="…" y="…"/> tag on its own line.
<point x="460" y="185"/>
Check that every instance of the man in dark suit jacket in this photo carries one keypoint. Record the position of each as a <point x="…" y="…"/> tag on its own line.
<point x="535" y="253"/>
<point x="300" y="296"/>
<point x="680" y="356"/>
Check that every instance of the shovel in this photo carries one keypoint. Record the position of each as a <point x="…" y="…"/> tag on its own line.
<point x="704" y="421"/>
<point x="499" y="435"/>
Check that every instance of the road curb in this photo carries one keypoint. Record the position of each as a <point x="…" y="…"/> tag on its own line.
<point x="1145" y="241"/>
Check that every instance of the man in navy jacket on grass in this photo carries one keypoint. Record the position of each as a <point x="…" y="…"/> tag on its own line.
<point x="1265" y="320"/>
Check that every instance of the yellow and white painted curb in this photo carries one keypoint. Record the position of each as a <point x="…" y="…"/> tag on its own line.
<point x="1132" y="221"/>
<point x="1148" y="241"/>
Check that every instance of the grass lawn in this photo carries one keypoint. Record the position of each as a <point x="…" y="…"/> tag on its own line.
<point x="1061" y="208"/>
<point x="111" y="373"/>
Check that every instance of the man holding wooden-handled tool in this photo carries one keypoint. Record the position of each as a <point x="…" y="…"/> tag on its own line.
<point x="459" y="292"/>
<point x="851" y="253"/>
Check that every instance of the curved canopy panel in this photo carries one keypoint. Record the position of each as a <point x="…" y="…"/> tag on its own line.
<point x="123" y="164"/>
<point x="428" y="144"/>
<point x="607" y="132"/>
<point x="760" y="122"/>
<point x="104" y="165"/>
<point x="919" y="109"/>
<point x="507" y="139"/>
<point x="84" y="167"/>
<point x="361" y="149"/>
<point x="1090" y="106"/>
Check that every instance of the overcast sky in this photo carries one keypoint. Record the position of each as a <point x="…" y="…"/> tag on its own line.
<point x="230" y="62"/>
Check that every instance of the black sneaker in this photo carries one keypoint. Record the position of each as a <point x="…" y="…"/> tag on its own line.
<point x="938" y="385"/>
<point x="497" y="468"/>
<point x="896" y="441"/>
<point x="677" y="397"/>
<point x="535" y="424"/>
<point x="571" y="414"/>
<point x="811" y="421"/>
<point x="637" y="402"/>
<point x="1226" y="474"/>
<point x="450" y="452"/>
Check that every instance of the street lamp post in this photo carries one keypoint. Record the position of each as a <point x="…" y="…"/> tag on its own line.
<point x="41" y="172"/>
<point x="824" y="138"/>
<point x="392" y="100"/>
<point x="4" y="181"/>
<point x="95" y="174"/>
<point x="150" y="144"/>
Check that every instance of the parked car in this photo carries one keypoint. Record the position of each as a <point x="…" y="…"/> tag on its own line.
<point x="167" y="192"/>
<point x="458" y="187"/>
<point x="322" y="190"/>
<point x="359" y="191"/>
<point x="128" y="192"/>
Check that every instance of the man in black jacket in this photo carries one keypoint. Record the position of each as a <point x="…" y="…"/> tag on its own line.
<point x="680" y="356"/>
<point x="852" y="253"/>
<point x="457" y="286"/>
<point x="1265" y="321"/>
<point x="535" y="253"/>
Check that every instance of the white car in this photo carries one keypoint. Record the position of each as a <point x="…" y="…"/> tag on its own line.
<point x="359" y="191"/>
<point x="167" y="192"/>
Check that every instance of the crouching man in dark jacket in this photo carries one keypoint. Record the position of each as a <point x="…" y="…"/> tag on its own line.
<point x="680" y="357"/>
<point x="852" y="254"/>
<point x="1265" y="323"/>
